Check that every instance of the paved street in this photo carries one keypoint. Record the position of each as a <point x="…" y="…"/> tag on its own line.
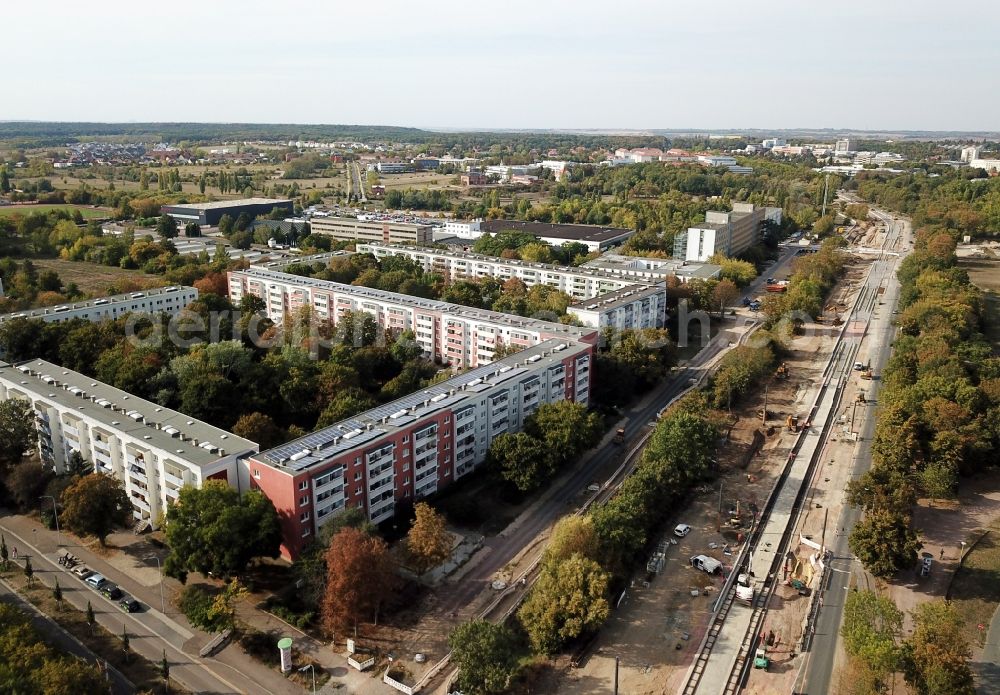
<point x="818" y="670"/>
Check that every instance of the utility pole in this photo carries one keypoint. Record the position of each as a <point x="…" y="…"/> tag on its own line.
<point x="718" y="518"/>
<point x="763" y="415"/>
<point x="616" y="674"/>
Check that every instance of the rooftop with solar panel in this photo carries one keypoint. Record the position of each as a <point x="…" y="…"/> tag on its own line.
<point x="351" y="433"/>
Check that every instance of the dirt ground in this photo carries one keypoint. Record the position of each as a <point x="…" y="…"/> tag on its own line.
<point x="95" y="279"/>
<point x="658" y="628"/>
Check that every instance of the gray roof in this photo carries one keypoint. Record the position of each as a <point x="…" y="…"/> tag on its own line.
<point x="117" y="410"/>
<point x="569" y="232"/>
<point x="321" y="445"/>
<point x="126" y="298"/>
<point x="625" y="295"/>
<point x="229" y="203"/>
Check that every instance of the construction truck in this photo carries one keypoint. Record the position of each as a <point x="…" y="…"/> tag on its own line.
<point x="782" y="371"/>
<point x="792" y="423"/>
<point x="866" y="373"/>
<point x="620" y="435"/>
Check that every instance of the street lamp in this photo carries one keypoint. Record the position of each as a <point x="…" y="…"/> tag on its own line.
<point x="163" y="608"/>
<point x="312" y="668"/>
<point x="55" y="515"/>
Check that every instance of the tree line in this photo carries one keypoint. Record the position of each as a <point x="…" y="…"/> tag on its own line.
<point x="939" y="406"/>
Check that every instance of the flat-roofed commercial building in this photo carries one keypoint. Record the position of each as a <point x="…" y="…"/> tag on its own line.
<point x="594" y="237"/>
<point x="387" y="231"/>
<point x="211" y="213"/>
<point x="730" y="233"/>
<point x="579" y="283"/>
<point x="168" y="300"/>
<point x="414" y="446"/>
<point x="641" y="268"/>
<point x="154" y="450"/>
<point x="452" y="334"/>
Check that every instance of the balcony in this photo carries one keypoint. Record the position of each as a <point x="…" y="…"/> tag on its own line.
<point x="171" y="492"/>
<point x="173" y="479"/>
<point x="139" y="502"/>
<point x="137" y="473"/>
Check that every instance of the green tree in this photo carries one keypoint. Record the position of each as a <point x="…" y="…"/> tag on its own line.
<point x="569" y="599"/>
<point x="572" y="535"/>
<point x="885" y="543"/>
<point x="164" y="664"/>
<point x="166" y="227"/>
<point x="96" y="504"/>
<point x="4" y="180"/>
<point x="17" y="431"/>
<point x="724" y="295"/>
<point x="125" y="643"/>
<point x="213" y="529"/>
<point x="259" y="428"/>
<point x="57" y="593"/>
<point x="486" y="656"/>
<point x="871" y="629"/>
<point x="226" y="226"/>
<point x="428" y="542"/>
<point x="937" y="653"/>
<point x="4" y="553"/>
<point x="91" y="618"/>
<point x="565" y="428"/>
<point x="192" y="229"/>
<point x="521" y="459"/>
<point x="29" y="571"/>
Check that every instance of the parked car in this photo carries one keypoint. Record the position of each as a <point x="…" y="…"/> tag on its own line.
<point x="682" y="530"/>
<point x="82" y="571"/>
<point x="96" y="580"/>
<point x="925" y="567"/>
<point x="111" y="591"/>
<point x="129" y="605"/>
<point x="706" y="564"/>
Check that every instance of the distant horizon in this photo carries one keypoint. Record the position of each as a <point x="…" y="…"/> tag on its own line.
<point x="827" y="131"/>
<point x="869" y="66"/>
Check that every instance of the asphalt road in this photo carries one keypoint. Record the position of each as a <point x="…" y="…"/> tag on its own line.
<point x="149" y="634"/>
<point x="818" y="672"/>
<point x="561" y="498"/>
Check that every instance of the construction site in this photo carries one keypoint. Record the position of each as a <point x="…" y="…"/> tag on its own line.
<point x="785" y="461"/>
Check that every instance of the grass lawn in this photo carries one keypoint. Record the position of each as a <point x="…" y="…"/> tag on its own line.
<point x="87" y="212"/>
<point x="975" y="590"/>
<point x="135" y="668"/>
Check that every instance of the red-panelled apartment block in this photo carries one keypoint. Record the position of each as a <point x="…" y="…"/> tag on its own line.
<point x="416" y="445"/>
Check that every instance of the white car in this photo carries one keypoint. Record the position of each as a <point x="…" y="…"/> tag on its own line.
<point x="682" y="530"/>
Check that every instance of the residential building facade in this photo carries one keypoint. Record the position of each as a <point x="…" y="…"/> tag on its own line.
<point x="412" y="447"/>
<point x="641" y="306"/>
<point x="169" y="300"/>
<point x="387" y="231"/>
<point x="154" y="450"/>
<point x="451" y="334"/>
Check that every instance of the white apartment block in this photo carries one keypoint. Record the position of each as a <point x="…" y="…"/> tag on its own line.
<point x="154" y="450"/>
<point x="449" y="333"/>
<point x="635" y="303"/>
<point x="387" y="231"/>
<point x="168" y="300"/>
<point x="971" y="152"/>
<point x="990" y="165"/>
<point x="412" y="447"/>
<point x="730" y="233"/>
<point x="844" y="146"/>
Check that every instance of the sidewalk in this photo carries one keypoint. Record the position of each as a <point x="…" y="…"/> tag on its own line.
<point x="232" y="670"/>
<point x="986" y="669"/>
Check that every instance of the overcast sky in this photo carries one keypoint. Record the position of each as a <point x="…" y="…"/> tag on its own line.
<point x="872" y="64"/>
